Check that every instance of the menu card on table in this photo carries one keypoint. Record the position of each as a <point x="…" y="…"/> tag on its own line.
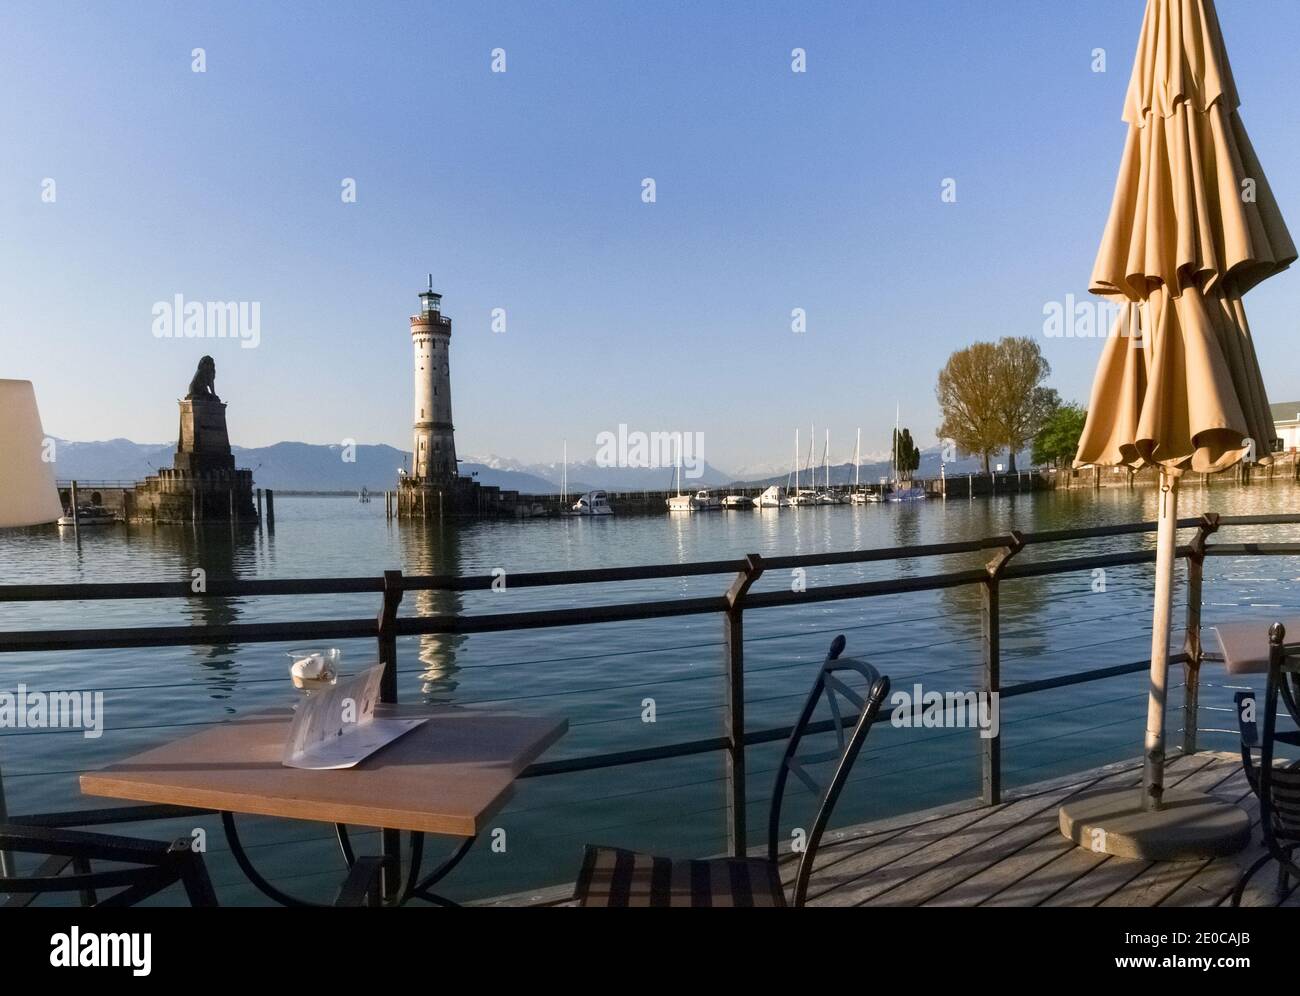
<point x="336" y="727"/>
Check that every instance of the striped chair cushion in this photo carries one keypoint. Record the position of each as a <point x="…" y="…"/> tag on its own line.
<point x="1286" y="799"/>
<point x="612" y="876"/>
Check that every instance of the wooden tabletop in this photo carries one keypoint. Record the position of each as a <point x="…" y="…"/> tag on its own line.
<point x="448" y="776"/>
<point x="1245" y="644"/>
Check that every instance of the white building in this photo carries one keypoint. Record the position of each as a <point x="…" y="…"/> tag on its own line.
<point x="1286" y="422"/>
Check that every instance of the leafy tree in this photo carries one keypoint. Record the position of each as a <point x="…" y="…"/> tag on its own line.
<point x="967" y="398"/>
<point x="1058" y="440"/>
<point x="1021" y="402"/>
<point x="991" y="396"/>
<point x="907" y="455"/>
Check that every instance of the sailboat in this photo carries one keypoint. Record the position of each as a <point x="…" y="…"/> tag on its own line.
<point x="680" y="502"/>
<point x="804" y="496"/>
<point x="911" y="492"/>
<point x="858" y="496"/>
<point x="826" y="496"/>
<point x="774" y="497"/>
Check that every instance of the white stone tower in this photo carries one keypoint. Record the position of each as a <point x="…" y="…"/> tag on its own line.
<point x="434" y="451"/>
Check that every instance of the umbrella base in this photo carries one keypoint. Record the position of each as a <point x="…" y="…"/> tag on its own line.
<point x="1191" y="826"/>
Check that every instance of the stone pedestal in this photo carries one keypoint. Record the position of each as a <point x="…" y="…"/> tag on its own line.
<point x="203" y="483"/>
<point x="204" y="444"/>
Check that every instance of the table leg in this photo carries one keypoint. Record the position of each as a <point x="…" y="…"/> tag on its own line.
<point x="413" y="888"/>
<point x="391" y="848"/>
<point x="421" y="889"/>
<point x="252" y="874"/>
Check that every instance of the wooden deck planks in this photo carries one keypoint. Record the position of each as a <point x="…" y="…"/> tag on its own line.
<point x="1014" y="855"/>
<point x="1114" y="874"/>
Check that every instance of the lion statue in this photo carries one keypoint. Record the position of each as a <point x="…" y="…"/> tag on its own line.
<point x="203" y="384"/>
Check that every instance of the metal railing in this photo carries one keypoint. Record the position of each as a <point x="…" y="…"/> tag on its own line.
<point x="731" y="606"/>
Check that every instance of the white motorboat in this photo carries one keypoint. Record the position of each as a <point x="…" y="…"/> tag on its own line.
<point x="738" y="501"/>
<point x="706" y="500"/>
<point x="88" y="516"/>
<point x="773" y="497"/>
<point x="593" y="503"/>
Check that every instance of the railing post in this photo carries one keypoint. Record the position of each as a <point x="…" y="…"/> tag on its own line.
<point x="6" y="859"/>
<point x="991" y="631"/>
<point x="387" y="635"/>
<point x="391" y="840"/>
<point x="1192" y="631"/>
<point x="734" y="643"/>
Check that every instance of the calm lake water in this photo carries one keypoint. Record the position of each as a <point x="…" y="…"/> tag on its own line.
<point x="599" y="677"/>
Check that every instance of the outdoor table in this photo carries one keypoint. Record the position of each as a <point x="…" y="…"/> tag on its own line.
<point x="1245" y="644"/>
<point x="448" y="776"/>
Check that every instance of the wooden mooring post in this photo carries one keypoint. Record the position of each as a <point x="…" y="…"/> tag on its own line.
<point x="72" y="495"/>
<point x="270" y="510"/>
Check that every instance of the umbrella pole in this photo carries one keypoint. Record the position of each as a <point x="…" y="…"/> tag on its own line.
<point x="1153" y="768"/>
<point x="1184" y="825"/>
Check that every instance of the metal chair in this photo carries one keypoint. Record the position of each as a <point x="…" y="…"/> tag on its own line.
<point x="613" y="876"/>
<point x="1278" y="788"/>
<point x="149" y="867"/>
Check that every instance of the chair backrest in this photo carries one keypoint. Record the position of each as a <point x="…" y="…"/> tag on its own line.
<point x="1278" y="788"/>
<point x="149" y="867"/>
<point x="1248" y="726"/>
<point x="851" y="710"/>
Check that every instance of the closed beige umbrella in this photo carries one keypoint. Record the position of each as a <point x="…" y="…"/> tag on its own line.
<point x="1193" y="226"/>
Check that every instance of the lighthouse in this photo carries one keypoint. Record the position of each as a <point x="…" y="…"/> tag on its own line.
<point x="433" y="454"/>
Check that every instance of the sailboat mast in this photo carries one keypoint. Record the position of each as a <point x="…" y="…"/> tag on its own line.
<point x="564" y="485"/>
<point x="894" y="455"/>
<point x="812" y="441"/>
<point x="826" y="459"/>
<point x="857" y="459"/>
<point x="796" y="461"/>
<point x="679" y="467"/>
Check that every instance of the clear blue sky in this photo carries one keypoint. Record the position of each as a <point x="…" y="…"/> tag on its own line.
<point x="522" y="191"/>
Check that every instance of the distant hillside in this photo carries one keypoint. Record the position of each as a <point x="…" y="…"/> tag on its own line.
<point x="312" y="467"/>
<point x="871" y="473"/>
<point x="282" y="467"/>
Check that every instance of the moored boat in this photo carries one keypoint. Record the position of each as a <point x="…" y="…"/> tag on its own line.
<point x="593" y="503"/>
<point x="88" y="515"/>
<point x="773" y="497"/>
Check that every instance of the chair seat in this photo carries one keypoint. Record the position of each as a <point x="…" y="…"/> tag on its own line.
<point x="612" y="876"/>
